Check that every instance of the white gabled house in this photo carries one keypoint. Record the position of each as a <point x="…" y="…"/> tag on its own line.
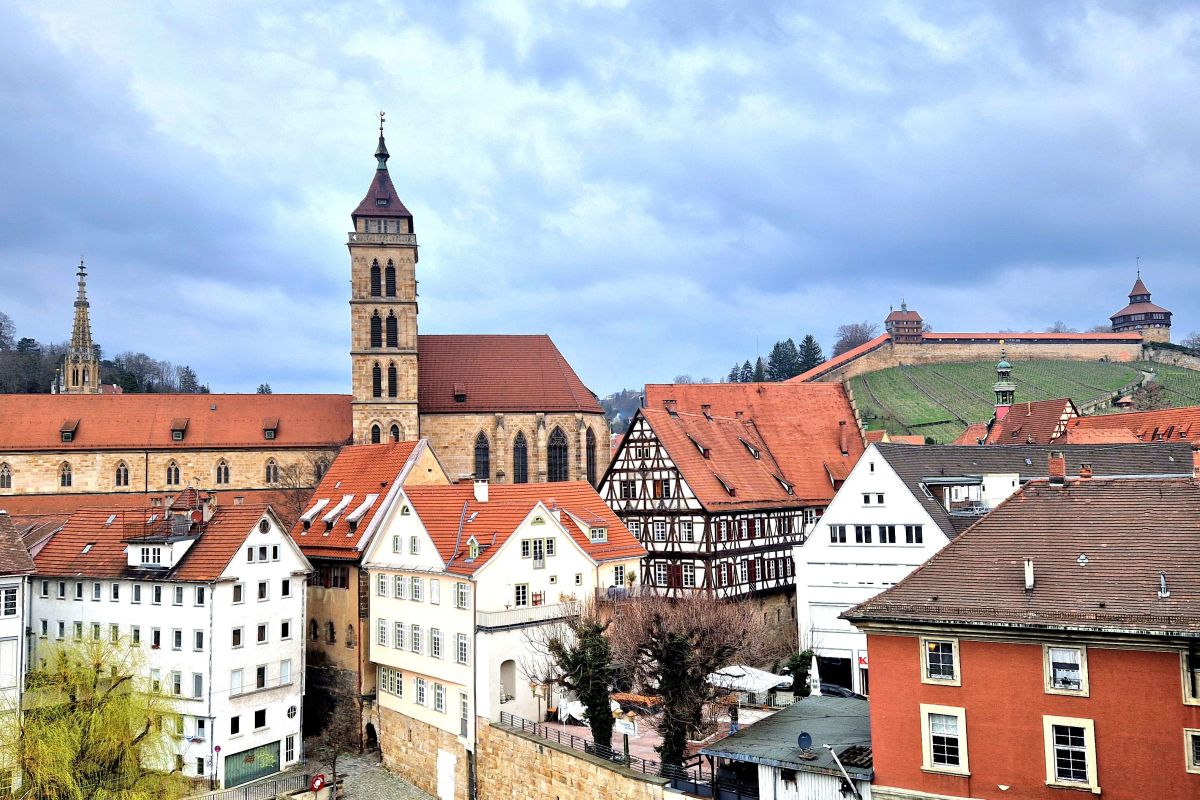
<point x="903" y="503"/>
<point x="216" y="597"/>
<point x="458" y="576"/>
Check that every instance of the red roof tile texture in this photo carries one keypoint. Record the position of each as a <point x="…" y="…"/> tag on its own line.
<point x="14" y="558"/>
<point x="140" y="421"/>
<point x="381" y="189"/>
<point x="1038" y="422"/>
<point x="357" y="472"/>
<point x="1139" y="308"/>
<point x="219" y="541"/>
<point x="975" y="433"/>
<point x="1098" y="548"/>
<point x="809" y="429"/>
<point x="1170" y="424"/>
<point x="519" y="373"/>
<point x="903" y="316"/>
<point x="452" y="515"/>
<point x="27" y="504"/>
<point x="844" y="358"/>
<point x="1138" y="287"/>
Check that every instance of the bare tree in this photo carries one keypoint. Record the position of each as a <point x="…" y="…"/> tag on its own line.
<point x="1192" y="340"/>
<point x="670" y="647"/>
<point x="339" y="739"/>
<point x="1060" y="327"/>
<point x="853" y="334"/>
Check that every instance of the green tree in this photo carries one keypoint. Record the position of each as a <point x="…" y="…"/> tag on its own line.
<point x="783" y="362"/>
<point x="263" y="388"/>
<point x="735" y="374"/>
<point x="809" y="355"/>
<point x="760" y="371"/>
<point x="799" y="665"/>
<point x="92" y="728"/>
<point x="747" y="373"/>
<point x="583" y="659"/>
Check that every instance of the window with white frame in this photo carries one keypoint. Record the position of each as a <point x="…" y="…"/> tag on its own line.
<point x="837" y="534"/>
<point x="914" y="534"/>
<point x="1191" y="745"/>
<point x="862" y="534"/>
<point x="401" y="587"/>
<point x="1070" y="752"/>
<point x="414" y="545"/>
<point x="687" y="530"/>
<point x="619" y="575"/>
<point x="415" y="640"/>
<point x="689" y="575"/>
<point x="419" y="690"/>
<point x="660" y="573"/>
<point x="9" y="601"/>
<point x="660" y="531"/>
<point x="435" y="591"/>
<point x="462" y="648"/>
<point x="439" y="697"/>
<point x="743" y="568"/>
<point x="887" y="534"/>
<point x="460" y="595"/>
<point x="944" y="739"/>
<point x="634" y="526"/>
<point x="597" y="534"/>
<point x="435" y="642"/>
<point x="939" y="657"/>
<point x="391" y="681"/>
<point x="1065" y="669"/>
<point x="521" y="595"/>
<point x="381" y="585"/>
<point x="399" y="643"/>
<point x="382" y="639"/>
<point x="418" y="589"/>
<point x="1190" y="669"/>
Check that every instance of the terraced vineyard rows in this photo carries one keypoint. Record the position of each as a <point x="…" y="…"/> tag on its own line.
<point x="937" y="400"/>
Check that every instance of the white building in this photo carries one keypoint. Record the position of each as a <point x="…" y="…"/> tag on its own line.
<point x="15" y="569"/>
<point x="903" y="503"/>
<point x="459" y="576"/>
<point x="216" y="596"/>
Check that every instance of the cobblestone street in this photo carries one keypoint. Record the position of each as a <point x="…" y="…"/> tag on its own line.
<point x="366" y="779"/>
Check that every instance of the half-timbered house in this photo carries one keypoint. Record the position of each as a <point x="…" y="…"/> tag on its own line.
<point x="720" y="481"/>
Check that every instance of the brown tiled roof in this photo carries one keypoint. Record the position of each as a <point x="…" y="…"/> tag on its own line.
<point x="505" y="373"/>
<point x="844" y="358"/>
<point x="219" y="541"/>
<point x="1098" y="436"/>
<point x="931" y="463"/>
<point x="1169" y="424"/>
<point x="1098" y="548"/>
<point x="14" y="558"/>
<point x="141" y="421"/>
<point x="381" y="189"/>
<point x="935" y="336"/>
<point x="805" y="426"/>
<point x="908" y="439"/>
<point x="1138" y="287"/>
<point x="1035" y="422"/>
<point x="1139" y="308"/>
<point x="903" y="316"/>
<point x="452" y="515"/>
<point x="35" y="529"/>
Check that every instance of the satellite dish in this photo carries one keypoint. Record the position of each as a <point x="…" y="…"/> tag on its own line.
<point x="804" y="740"/>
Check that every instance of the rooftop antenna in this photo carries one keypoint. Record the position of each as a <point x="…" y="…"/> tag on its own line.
<point x="1139" y="266"/>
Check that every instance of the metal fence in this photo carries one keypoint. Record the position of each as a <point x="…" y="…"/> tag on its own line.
<point x="691" y="773"/>
<point x="263" y="790"/>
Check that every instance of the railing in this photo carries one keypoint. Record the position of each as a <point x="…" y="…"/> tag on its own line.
<point x="382" y="238"/>
<point x="267" y="789"/>
<point x="692" y="772"/>
<point x="527" y="615"/>
<point x="539" y="563"/>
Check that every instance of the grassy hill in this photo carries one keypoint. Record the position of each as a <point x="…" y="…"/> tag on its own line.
<point x="938" y="400"/>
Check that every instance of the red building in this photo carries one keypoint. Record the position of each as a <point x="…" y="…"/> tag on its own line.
<point x="1054" y="646"/>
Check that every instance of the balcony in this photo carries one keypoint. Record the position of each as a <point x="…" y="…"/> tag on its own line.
<point x="539" y="563"/>
<point x="526" y="615"/>
<point x="382" y="238"/>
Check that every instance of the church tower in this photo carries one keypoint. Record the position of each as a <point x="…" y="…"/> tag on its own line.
<point x="1140" y="314"/>
<point x="383" y="311"/>
<point x="1004" y="387"/>
<point x="80" y="372"/>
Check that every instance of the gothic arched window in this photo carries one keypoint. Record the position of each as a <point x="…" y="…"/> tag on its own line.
<point x="272" y="471"/>
<point x="393" y="332"/>
<point x="376" y="434"/>
<point x="330" y="633"/>
<point x="222" y="471"/>
<point x="64" y="475"/>
<point x="5" y="477"/>
<point x="376" y="330"/>
<point x="556" y="456"/>
<point x="320" y="467"/>
<point x="520" y="459"/>
<point x="376" y="381"/>
<point x="172" y="474"/>
<point x="395" y="432"/>
<point x="591" y="457"/>
<point x="122" y="476"/>
<point x="314" y="630"/>
<point x="483" y="457"/>
<point x="374" y="279"/>
<point x="392" y="380"/>
<point x="390" y="279"/>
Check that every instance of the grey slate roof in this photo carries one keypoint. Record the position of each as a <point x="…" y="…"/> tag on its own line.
<point x="917" y="463"/>
<point x="843" y="722"/>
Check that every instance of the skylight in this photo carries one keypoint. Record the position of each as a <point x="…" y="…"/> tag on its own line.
<point x="87" y="548"/>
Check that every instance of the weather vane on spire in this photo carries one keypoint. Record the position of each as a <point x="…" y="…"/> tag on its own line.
<point x="381" y="115"/>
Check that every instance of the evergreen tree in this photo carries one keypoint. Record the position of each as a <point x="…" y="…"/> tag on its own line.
<point x="809" y="355"/>
<point x="760" y="371"/>
<point x="747" y="373"/>
<point x="735" y="374"/>
<point x="188" y="382"/>
<point x="784" y="361"/>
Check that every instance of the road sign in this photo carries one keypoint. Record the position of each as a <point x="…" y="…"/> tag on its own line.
<point x="626" y="726"/>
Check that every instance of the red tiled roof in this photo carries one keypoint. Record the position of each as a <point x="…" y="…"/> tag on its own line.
<point x="140" y="421"/>
<point x="1098" y="548"/>
<point x="1034" y="422"/>
<point x="908" y="439"/>
<point x="1170" y="424"/>
<point x="800" y="423"/>
<point x="876" y="436"/>
<point x="219" y="541"/>
<point x="844" y="358"/>
<point x="975" y="432"/>
<point x="36" y="529"/>
<point x="1034" y="337"/>
<point x="358" y="472"/>
<point x="1138" y="287"/>
<point x="14" y="558"/>
<point x="1140" y="308"/>
<point x="31" y="504"/>
<point x="1098" y="436"/>
<point x="381" y="188"/>
<point x="497" y="373"/>
<point x="443" y="510"/>
<point x="903" y="316"/>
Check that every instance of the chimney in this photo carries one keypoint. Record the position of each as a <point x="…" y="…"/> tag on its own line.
<point x="1029" y="574"/>
<point x="706" y="410"/>
<point x="843" y="437"/>
<point x="481" y="490"/>
<point x="1057" y="468"/>
<point x="669" y="405"/>
<point x="1085" y="470"/>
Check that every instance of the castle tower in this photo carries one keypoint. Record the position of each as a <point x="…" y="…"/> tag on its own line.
<point x="904" y="326"/>
<point x="383" y="311"/>
<point x="1153" y="321"/>
<point x="1004" y="388"/>
<point x="80" y="373"/>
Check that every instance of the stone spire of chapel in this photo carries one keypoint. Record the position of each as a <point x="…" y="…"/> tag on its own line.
<point x="80" y="372"/>
<point x="81" y="331"/>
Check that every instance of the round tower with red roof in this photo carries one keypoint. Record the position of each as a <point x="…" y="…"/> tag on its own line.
<point x="1154" y="322"/>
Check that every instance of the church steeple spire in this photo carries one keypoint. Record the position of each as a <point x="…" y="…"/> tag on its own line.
<point x="381" y="153"/>
<point x="80" y="373"/>
<point x="81" y="331"/>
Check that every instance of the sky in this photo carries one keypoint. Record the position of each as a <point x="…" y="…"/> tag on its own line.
<point x="665" y="188"/>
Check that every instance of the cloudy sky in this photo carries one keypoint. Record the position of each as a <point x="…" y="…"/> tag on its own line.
<point x="662" y="187"/>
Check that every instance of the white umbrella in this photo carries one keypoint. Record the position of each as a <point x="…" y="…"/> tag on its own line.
<point x="814" y="679"/>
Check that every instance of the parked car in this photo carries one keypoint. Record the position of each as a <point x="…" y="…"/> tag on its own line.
<point x="833" y="690"/>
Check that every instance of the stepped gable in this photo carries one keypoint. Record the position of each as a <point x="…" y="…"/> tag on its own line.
<point x="489" y="373"/>
<point x="1169" y="424"/>
<point x="809" y="429"/>
<point x="917" y="465"/>
<point x="145" y="421"/>
<point x="452" y="515"/>
<point x="337" y="521"/>
<point x="109" y="532"/>
<point x="978" y="579"/>
<point x="1033" y="422"/>
<point x="715" y="455"/>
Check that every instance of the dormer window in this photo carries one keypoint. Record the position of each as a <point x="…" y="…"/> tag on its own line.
<point x="68" y="430"/>
<point x="473" y="548"/>
<point x="381" y="201"/>
<point x="752" y="449"/>
<point x="787" y="487"/>
<point x="178" y="427"/>
<point x="460" y="393"/>
<point x="270" y="426"/>
<point x="599" y="534"/>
